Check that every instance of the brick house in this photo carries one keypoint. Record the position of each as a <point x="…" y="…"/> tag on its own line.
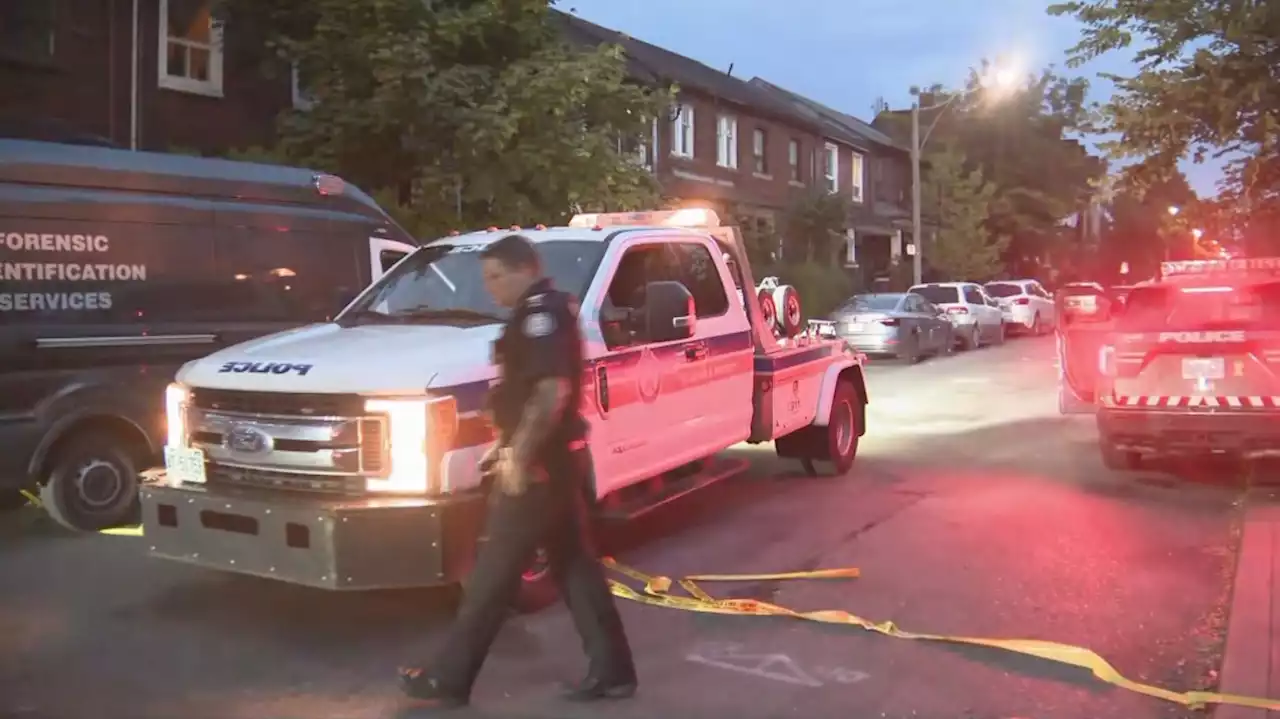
<point x="874" y="171"/>
<point x="726" y="144"/>
<point x="142" y="74"/>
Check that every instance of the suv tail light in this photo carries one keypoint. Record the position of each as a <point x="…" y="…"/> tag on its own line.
<point x="1107" y="360"/>
<point x="958" y="310"/>
<point x="1022" y="301"/>
<point x="889" y="322"/>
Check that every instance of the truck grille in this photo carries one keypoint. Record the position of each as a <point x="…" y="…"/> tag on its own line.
<point x="299" y="442"/>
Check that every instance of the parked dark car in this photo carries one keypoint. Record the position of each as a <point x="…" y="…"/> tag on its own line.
<point x="903" y="325"/>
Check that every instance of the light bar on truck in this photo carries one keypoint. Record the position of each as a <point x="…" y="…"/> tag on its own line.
<point x="699" y="217"/>
<point x="1242" y="266"/>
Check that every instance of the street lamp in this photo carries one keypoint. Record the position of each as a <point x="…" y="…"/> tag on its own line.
<point x="1001" y="79"/>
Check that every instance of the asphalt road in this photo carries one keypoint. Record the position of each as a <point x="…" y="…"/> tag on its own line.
<point x="973" y="509"/>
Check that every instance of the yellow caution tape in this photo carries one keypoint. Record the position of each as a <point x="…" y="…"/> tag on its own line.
<point x="656" y="592"/>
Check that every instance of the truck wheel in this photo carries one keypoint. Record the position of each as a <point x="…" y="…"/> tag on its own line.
<point x="1118" y="459"/>
<point x="844" y="427"/>
<point x="11" y="500"/>
<point x="787" y="302"/>
<point x="93" y="484"/>
<point x="768" y="310"/>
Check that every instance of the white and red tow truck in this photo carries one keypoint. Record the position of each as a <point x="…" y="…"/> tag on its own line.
<point x="344" y="455"/>
<point x="1189" y="364"/>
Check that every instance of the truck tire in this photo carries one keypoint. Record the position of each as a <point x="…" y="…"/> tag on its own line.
<point x="92" y="484"/>
<point x="835" y="444"/>
<point x="787" y="303"/>
<point x="768" y="309"/>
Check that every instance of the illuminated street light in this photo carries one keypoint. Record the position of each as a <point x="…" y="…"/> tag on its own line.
<point x="1174" y="210"/>
<point x="1197" y="233"/>
<point x="1000" y="79"/>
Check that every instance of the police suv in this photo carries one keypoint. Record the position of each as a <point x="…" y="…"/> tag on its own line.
<point x="1191" y="364"/>
<point x="343" y="455"/>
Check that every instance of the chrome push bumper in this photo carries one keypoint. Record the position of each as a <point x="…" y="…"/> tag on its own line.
<point x="337" y="543"/>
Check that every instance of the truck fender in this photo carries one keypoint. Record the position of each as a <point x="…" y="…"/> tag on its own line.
<point x="827" y="393"/>
<point x="81" y="417"/>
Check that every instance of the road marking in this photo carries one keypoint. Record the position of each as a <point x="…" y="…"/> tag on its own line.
<point x="775" y="666"/>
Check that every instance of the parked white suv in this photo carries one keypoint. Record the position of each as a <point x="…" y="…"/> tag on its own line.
<point x="1025" y="304"/>
<point x="975" y="316"/>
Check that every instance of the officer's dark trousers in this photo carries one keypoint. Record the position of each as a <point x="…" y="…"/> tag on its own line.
<point x="551" y="514"/>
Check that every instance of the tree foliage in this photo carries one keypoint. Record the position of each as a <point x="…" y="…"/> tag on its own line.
<point x="813" y="226"/>
<point x="1141" y="233"/>
<point x="1207" y="85"/>
<point x="963" y="247"/>
<point x="468" y="113"/>
<point x="1023" y="142"/>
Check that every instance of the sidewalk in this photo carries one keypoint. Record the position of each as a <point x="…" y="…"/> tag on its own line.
<point x="1251" y="663"/>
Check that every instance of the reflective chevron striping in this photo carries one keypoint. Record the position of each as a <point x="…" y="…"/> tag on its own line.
<point x="1195" y="401"/>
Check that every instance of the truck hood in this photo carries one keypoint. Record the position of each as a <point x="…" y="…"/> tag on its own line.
<point x="367" y="359"/>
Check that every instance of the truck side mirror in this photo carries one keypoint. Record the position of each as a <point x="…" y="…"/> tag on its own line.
<point x="668" y="314"/>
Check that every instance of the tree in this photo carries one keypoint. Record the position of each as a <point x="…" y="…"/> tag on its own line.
<point x="1206" y="86"/>
<point x="1141" y="232"/>
<point x="962" y="248"/>
<point x="470" y="112"/>
<point x="813" y="228"/>
<point x="1022" y="141"/>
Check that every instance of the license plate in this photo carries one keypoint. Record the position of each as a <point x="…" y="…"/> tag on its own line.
<point x="185" y="464"/>
<point x="1204" y="368"/>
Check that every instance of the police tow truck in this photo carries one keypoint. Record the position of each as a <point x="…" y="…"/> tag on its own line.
<point x="1190" y="364"/>
<point x="344" y="455"/>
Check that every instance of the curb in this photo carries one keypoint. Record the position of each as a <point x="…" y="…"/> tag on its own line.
<point x="1249" y="657"/>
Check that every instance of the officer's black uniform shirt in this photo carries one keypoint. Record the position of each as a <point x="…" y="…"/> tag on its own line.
<point x="541" y="340"/>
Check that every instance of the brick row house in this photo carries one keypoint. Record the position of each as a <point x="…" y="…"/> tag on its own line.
<point x="161" y="75"/>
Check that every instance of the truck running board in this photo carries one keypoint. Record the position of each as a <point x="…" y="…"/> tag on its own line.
<point x="639" y="500"/>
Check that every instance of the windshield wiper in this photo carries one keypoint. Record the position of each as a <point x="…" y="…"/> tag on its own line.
<point x="452" y="313"/>
<point x="357" y="317"/>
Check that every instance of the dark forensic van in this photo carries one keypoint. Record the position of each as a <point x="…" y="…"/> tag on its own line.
<point x="117" y="267"/>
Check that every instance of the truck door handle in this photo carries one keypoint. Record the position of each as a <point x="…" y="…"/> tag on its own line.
<point x="602" y="388"/>
<point x="694" y="353"/>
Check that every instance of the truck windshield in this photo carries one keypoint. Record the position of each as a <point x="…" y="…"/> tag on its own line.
<point x="1152" y="309"/>
<point x="445" y="282"/>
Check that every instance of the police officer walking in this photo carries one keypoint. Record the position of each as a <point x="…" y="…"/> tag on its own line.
<point x="541" y="466"/>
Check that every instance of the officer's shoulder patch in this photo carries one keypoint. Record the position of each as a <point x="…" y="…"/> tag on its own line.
<point x="539" y="324"/>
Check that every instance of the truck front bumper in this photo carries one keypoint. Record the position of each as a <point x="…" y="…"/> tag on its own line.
<point x="326" y="542"/>
<point x="1246" y="433"/>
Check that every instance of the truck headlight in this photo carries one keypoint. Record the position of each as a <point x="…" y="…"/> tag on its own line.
<point x="175" y="415"/>
<point x="419" y="432"/>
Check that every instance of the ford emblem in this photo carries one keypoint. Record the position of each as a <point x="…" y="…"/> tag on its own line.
<point x="245" y="439"/>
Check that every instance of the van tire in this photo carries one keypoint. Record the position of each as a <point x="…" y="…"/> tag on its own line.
<point x="971" y="340"/>
<point x="86" y="465"/>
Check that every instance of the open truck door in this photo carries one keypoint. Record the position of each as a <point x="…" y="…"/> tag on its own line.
<point x="1084" y="324"/>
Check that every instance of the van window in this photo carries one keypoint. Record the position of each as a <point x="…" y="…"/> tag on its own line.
<point x="286" y="277"/>
<point x="973" y="296"/>
<point x="388" y="259"/>
<point x="1004" y="289"/>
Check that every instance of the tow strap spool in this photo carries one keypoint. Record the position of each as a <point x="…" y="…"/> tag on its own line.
<point x="657" y="592"/>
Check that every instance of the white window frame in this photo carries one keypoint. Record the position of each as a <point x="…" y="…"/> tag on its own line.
<point x="727" y="141"/>
<point x="858" y="165"/>
<point x="793" y="160"/>
<point x="831" y="166"/>
<point x="760" y="151"/>
<point x="301" y="100"/>
<point x="682" y="123"/>
<point x="211" y="87"/>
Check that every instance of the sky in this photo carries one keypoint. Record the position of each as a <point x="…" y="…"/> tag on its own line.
<point x="848" y="53"/>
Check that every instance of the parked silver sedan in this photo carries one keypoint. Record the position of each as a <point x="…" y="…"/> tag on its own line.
<point x="897" y="324"/>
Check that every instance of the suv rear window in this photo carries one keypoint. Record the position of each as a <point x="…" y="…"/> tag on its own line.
<point x="1150" y="309"/>
<point x="1003" y="289"/>
<point x="938" y="294"/>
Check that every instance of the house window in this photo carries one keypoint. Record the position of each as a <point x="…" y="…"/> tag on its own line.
<point x="759" y="147"/>
<point x="727" y="141"/>
<point x="302" y="99"/>
<point x="682" y="131"/>
<point x="793" y="159"/>
<point x="859" y="176"/>
<point x="190" y="47"/>
<point x="27" y="30"/>
<point x="831" y="167"/>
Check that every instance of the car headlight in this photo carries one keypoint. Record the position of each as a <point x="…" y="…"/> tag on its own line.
<point x="419" y="432"/>
<point x="175" y="414"/>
